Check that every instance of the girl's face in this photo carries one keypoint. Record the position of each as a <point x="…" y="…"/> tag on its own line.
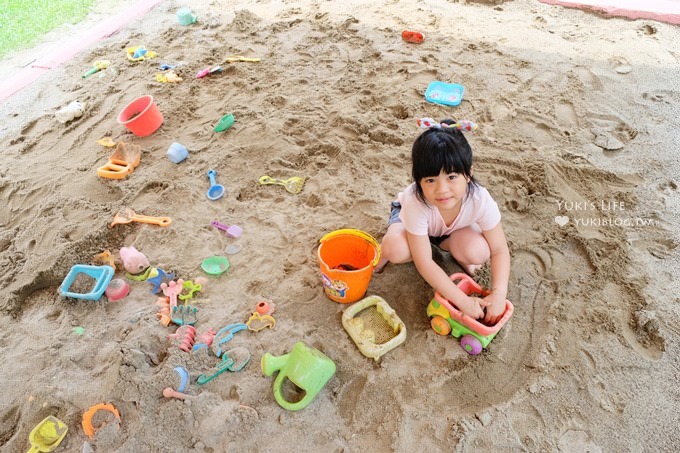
<point x="445" y="191"/>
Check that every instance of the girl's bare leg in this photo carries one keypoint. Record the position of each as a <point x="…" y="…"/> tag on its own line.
<point x="394" y="247"/>
<point x="468" y="247"/>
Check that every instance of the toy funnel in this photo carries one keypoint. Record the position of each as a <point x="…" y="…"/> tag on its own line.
<point x="308" y="368"/>
<point x="216" y="190"/>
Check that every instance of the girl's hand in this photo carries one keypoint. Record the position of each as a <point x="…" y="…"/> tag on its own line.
<point x="495" y="307"/>
<point x="472" y="306"/>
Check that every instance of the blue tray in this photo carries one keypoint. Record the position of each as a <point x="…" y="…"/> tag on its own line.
<point x="101" y="274"/>
<point x="444" y="93"/>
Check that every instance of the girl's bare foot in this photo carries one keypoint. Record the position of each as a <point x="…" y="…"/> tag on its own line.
<point x="380" y="266"/>
<point x="472" y="268"/>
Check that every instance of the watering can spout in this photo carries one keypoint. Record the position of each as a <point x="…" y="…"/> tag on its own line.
<point x="272" y="364"/>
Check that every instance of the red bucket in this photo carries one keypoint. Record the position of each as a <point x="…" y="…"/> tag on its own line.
<point x="141" y="116"/>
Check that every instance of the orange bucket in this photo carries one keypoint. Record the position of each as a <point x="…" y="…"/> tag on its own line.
<point x="347" y="258"/>
<point x="141" y="116"/>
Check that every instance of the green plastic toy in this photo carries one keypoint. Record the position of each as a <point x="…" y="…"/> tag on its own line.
<point x="308" y="368"/>
<point x="225" y="123"/>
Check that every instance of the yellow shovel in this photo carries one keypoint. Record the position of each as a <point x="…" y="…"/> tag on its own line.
<point x="292" y="185"/>
<point x="47" y="435"/>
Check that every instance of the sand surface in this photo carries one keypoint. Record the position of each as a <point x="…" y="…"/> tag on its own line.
<point x="577" y="141"/>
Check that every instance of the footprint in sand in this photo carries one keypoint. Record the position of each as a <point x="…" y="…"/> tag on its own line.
<point x="620" y="65"/>
<point x="611" y="132"/>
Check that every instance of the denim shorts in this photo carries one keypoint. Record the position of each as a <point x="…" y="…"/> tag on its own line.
<point x="395" y="209"/>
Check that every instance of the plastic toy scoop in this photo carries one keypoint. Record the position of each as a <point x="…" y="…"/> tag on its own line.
<point x="216" y="190"/>
<point x="47" y="435"/>
<point x="98" y="65"/>
<point x="127" y="215"/>
<point x="292" y="185"/>
<point x="233" y="231"/>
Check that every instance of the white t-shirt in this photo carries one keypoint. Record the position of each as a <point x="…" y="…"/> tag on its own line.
<point x="421" y="219"/>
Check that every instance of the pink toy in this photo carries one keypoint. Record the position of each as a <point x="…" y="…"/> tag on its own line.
<point x="172" y="290"/>
<point x="134" y="261"/>
<point x="265" y="307"/>
<point x="207" y="337"/>
<point x="117" y="289"/>
<point x="187" y="337"/>
<point x="170" y="393"/>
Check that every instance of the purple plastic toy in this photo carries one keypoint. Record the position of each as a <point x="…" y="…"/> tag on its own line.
<point x="233" y="231"/>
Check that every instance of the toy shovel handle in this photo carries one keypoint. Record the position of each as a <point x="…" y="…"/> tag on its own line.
<point x="34" y="449"/>
<point x="86" y="75"/>
<point x="269" y="180"/>
<point x="161" y="221"/>
<point x="359" y="233"/>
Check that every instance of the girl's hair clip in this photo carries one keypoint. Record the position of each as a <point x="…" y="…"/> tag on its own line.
<point x="462" y="125"/>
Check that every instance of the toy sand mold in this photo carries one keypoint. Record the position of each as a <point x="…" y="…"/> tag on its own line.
<point x="374" y="326"/>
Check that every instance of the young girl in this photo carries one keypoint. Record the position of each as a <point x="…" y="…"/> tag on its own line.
<point x="445" y="206"/>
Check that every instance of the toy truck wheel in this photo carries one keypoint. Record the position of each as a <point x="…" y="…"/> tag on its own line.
<point x="440" y="325"/>
<point x="471" y="345"/>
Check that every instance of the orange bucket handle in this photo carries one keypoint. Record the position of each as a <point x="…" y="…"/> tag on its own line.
<point x="359" y="233"/>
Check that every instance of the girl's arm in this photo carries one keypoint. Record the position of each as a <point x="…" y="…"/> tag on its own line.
<point x="421" y="252"/>
<point x="500" y="273"/>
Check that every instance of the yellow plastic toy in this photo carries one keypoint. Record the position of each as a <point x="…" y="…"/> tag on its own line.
<point x="237" y="58"/>
<point x="97" y="66"/>
<point x="257" y="322"/>
<point x="106" y="141"/>
<point x="47" y="435"/>
<point x="292" y="185"/>
<point x="139" y="53"/>
<point x="374" y="326"/>
<point x="168" y="77"/>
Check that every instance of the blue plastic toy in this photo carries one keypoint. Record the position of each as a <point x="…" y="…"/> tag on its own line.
<point x="101" y="274"/>
<point x="444" y="93"/>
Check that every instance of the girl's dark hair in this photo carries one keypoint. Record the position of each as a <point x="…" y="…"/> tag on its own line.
<point x="439" y="149"/>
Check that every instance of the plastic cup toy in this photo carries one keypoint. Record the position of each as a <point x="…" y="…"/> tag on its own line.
<point x="215" y="265"/>
<point x="141" y="116"/>
<point x="185" y="16"/>
<point x="306" y="367"/>
<point x="177" y="153"/>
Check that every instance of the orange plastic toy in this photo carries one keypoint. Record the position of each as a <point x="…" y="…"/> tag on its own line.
<point x="414" y="37"/>
<point x="121" y="163"/>
<point x="87" y="417"/>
